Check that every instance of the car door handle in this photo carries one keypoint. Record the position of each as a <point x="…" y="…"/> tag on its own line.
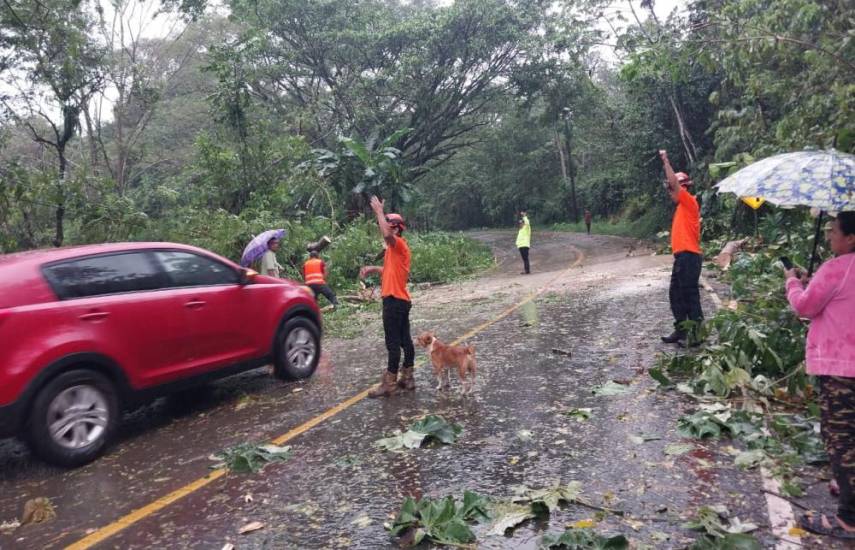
<point x="94" y="316"/>
<point x="195" y="304"/>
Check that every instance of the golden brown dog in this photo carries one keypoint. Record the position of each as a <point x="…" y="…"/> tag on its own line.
<point x="443" y="357"/>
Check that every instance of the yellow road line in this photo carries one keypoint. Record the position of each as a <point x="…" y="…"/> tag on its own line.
<point x="139" y="514"/>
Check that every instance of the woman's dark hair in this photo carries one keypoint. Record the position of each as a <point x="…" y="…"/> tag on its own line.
<point x="847" y="222"/>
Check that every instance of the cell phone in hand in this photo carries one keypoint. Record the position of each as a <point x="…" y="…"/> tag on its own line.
<point x="788" y="264"/>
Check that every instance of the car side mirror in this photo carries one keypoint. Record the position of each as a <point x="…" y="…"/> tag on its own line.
<point x="247" y="276"/>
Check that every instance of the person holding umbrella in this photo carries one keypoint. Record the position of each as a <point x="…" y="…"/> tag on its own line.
<point x="263" y="247"/>
<point x="824" y="180"/>
<point x="684" y="293"/>
<point x="394" y="275"/>
<point x="269" y="265"/>
<point x="829" y="302"/>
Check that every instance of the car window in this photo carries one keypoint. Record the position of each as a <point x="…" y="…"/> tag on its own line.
<point x="108" y="274"/>
<point x="188" y="269"/>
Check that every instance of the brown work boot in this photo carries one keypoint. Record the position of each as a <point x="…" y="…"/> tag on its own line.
<point x="388" y="385"/>
<point x="407" y="381"/>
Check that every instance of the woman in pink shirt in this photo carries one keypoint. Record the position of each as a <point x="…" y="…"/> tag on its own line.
<point x="829" y="303"/>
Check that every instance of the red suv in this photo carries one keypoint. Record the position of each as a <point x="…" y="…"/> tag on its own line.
<point x="87" y="331"/>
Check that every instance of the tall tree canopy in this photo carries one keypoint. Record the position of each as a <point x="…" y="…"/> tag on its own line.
<point x="234" y="117"/>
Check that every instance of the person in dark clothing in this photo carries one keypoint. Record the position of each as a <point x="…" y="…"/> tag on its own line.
<point x="588" y="219"/>
<point x="684" y="293"/>
<point x="315" y="273"/>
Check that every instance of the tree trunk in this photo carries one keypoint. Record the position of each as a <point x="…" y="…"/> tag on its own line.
<point x="93" y="145"/>
<point x="59" y="235"/>
<point x="574" y="207"/>
<point x="568" y="174"/>
<point x="570" y="170"/>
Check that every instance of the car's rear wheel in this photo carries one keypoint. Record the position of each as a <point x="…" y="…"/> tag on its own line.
<point x="73" y="418"/>
<point x="297" y="350"/>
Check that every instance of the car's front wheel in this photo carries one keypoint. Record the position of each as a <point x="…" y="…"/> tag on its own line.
<point x="73" y="418"/>
<point x="297" y="350"/>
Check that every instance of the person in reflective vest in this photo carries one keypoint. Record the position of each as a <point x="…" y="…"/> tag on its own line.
<point x="315" y="275"/>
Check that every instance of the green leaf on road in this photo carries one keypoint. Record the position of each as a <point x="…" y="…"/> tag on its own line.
<point x="610" y="388"/>
<point x="584" y="539"/>
<point x="475" y="507"/>
<point x="438" y="428"/>
<point x="677" y="449"/>
<point x="699" y="425"/>
<point x="431" y="427"/>
<point x="750" y="459"/>
<point x="399" y="441"/>
<point x="580" y="414"/>
<point x="547" y="499"/>
<point x="658" y="374"/>
<point x="508" y="515"/>
<point x="440" y="520"/>
<point x="251" y="458"/>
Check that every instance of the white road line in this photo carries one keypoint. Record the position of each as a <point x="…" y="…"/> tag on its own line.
<point x="781" y="516"/>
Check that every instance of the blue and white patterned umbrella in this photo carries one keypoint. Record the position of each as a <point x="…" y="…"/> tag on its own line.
<point x="821" y="179"/>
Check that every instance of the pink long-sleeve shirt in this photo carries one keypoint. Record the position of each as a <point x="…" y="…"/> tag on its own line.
<point x="829" y="302"/>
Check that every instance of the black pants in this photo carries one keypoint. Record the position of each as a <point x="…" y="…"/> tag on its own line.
<point x="326" y="291"/>
<point x="524" y="254"/>
<point x="837" y="407"/>
<point x="396" y="328"/>
<point x="588" y="225"/>
<point x="685" y="295"/>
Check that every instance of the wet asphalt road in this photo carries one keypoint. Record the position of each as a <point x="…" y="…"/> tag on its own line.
<point x="337" y="490"/>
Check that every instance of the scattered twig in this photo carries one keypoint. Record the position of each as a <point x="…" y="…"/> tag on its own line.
<point x="791" y="501"/>
<point x="599" y="508"/>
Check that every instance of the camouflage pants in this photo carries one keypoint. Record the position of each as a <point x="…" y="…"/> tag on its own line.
<point x="837" y="401"/>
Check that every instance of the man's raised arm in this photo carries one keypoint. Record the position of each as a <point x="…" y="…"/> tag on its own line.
<point x="385" y="228"/>
<point x="672" y="184"/>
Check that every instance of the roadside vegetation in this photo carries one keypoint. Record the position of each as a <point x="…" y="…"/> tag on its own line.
<point x="749" y="378"/>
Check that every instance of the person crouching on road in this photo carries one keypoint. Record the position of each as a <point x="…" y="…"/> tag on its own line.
<point x="829" y="302"/>
<point x="684" y="294"/>
<point x="394" y="275"/>
<point x="315" y="272"/>
<point x="524" y="241"/>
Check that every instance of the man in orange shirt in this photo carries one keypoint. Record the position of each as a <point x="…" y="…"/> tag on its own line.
<point x="396" y="302"/>
<point x="684" y="294"/>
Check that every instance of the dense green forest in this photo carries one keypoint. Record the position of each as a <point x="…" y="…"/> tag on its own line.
<point x="252" y="114"/>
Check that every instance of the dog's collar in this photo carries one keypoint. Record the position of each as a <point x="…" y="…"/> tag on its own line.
<point x="432" y="342"/>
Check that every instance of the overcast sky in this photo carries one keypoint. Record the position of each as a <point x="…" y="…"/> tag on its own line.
<point x="161" y="25"/>
<point x="141" y="19"/>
